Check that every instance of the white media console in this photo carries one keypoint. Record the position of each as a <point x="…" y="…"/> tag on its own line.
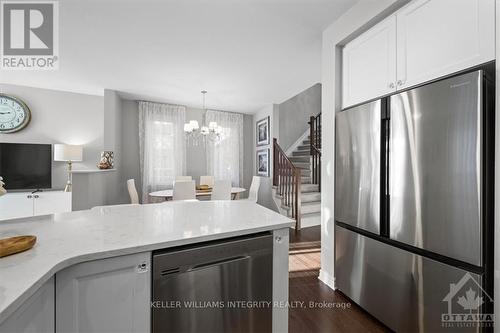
<point x="24" y="204"/>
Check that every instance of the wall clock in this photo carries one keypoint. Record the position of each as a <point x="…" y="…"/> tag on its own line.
<point x="14" y="114"/>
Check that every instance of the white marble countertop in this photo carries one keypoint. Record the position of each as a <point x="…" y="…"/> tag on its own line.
<point x="69" y="238"/>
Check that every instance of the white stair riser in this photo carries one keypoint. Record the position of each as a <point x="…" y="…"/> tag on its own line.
<point x="308" y="197"/>
<point x="313" y="208"/>
<point x="310" y="221"/>
<point x="305" y="180"/>
<point x="309" y="188"/>
<point x="302" y="165"/>
<point x="300" y="159"/>
<point x="300" y="153"/>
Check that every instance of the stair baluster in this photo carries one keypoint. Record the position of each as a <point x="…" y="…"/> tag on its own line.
<point x="287" y="179"/>
<point x="315" y="149"/>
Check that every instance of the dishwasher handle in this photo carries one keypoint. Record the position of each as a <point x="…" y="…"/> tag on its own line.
<point x="218" y="262"/>
<point x="177" y="270"/>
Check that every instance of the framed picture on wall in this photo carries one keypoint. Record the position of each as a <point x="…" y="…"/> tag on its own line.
<point x="262" y="135"/>
<point x="263" y="162"/>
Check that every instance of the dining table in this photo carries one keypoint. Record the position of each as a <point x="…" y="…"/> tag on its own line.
<point x="168" y="194"/>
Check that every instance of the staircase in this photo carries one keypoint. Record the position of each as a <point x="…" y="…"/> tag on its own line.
<point x="304" y="160"/>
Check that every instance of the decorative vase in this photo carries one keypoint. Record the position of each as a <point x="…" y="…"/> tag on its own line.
<point x="107" y="160"/>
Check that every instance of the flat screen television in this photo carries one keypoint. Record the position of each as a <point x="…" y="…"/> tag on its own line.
<point x="26" y="166"/>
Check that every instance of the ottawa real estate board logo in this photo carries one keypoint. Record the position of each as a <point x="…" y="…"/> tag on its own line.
<point x="468" y="305"/>
<point x="29" y="35"/>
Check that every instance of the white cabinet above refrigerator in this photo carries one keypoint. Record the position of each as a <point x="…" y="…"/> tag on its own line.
<point x="369" y="68"/>
<point x="423" y="41"/>
<point x="439" y="37"/>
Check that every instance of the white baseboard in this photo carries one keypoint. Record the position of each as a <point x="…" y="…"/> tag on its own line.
<point x="327" y="279"/>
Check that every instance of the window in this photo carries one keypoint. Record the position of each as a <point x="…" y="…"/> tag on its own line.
<point x="162" y="145"/>
<point x="225" y="157"/>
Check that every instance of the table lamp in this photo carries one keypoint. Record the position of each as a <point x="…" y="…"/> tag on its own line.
<point x="70" y="154"/>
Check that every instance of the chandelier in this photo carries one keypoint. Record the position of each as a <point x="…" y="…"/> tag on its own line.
<point x="194" y="132"/>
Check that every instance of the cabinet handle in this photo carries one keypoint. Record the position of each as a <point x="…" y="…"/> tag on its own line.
<point x="391" y="85"/>
<point x="400" y="83"/>
<point x="36" y="196"/>
<point x="29" y="196"/>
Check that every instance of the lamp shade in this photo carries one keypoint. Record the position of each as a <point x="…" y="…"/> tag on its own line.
<point x="67" y="153"/>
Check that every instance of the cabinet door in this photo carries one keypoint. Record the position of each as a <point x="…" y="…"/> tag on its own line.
<point x="35" y="315"/>
<point x="15" y="205"/>
<point x="109" y="295"/>
<point x="440" y="37"/>
<point x="52" y="202"/>
<point x="369" y="64"/>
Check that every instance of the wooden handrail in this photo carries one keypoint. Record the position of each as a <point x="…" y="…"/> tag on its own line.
<point x="287" y="179"/>
<point x="315" y="149"/>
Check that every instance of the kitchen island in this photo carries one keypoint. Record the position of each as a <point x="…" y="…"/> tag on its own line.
<point x="67" y="241"/>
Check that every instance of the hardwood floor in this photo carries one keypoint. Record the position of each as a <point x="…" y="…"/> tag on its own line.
<point x="306" y="287"/>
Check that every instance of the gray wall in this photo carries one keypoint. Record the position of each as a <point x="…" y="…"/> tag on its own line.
<point x="104" y="188"/>
<point x="196" y="162"/>
<point x="116" y="188"/>
<point x="295" y="113"/>
<point x="130" y="143"/>
<point x="61" y="117"/>
<point x="248" y="152"/>
<point x="266" y="183"/>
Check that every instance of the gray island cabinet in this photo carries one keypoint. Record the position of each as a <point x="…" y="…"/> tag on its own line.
<point x="107" y="295"/>
<point x="35" y="315"/>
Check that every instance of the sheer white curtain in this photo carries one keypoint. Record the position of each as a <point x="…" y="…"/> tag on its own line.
<point x="162" y="145"/>
<point x="225" y="157"/>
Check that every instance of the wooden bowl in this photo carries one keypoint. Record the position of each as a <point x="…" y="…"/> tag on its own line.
<point x="12" y="245"/>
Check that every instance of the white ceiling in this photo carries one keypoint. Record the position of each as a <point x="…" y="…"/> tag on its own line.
<point x="246" y="53"/>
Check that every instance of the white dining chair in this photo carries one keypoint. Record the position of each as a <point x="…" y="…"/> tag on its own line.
<point x="132" y="191"/>
<point x="253" y="193"/>
<point x="207" y="180"/>
<point x="183" y="178"/>
<point x="221" y="190"/>
<point x="184" y="190"/>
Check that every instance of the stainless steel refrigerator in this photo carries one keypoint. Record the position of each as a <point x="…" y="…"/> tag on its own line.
<point x="413" y="205"/>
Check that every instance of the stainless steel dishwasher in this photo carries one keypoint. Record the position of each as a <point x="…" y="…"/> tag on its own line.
<point x="223" y="286"/>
